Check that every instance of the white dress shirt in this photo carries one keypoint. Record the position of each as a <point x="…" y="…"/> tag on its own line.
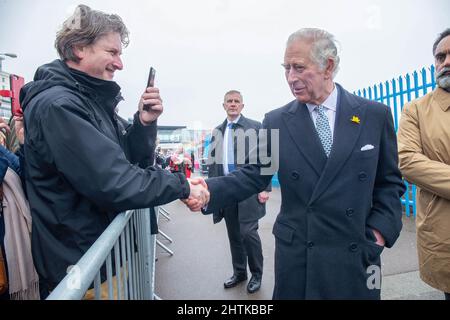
<point x="225" y="145"/>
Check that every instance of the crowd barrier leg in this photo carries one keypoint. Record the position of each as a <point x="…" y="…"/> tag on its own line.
<point x="164" y="247"/>
<point x="165" y="236"/>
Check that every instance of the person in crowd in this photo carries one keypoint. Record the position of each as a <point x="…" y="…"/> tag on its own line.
<point x="187" y="164"/>
<point x="193" y="161"/>
<point x="83" y="163"/>
<point x="13" y="141"/>
<point x="15" y="222"/>
<point x="424" y="156"/>
<point x="159" y="159"/>
<point x="180" y="162"/>
<point x="4" y="163"/>
<point x="340" y="182"/>
<point x="176" y="162"/>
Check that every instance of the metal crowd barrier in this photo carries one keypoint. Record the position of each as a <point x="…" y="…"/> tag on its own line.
<point x="128" y="239"/>
<point x="163" y="212"/>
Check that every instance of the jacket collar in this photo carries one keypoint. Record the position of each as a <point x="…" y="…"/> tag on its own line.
<point x="330" y="103"/>
<point x="106" y="93"/>
<point x="234" y="121"/>
<point x="241" y="123"/>
<point x="442" y="98"/>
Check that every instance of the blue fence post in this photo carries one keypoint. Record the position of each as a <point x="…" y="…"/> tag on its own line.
<point x="402" y="97"/>
<point x="406" y="201"/>
<point x="388" y="94"/>
<point x="388" y="100"/>
<point x="381" y="92"/>
<point x="433" y="79"/>
<point x="394" y="98"/>
<point x="413" y="196"/>
<point x="408" y="87"/>
<point x="424" y="81"/>
<point x="416" y="84"/>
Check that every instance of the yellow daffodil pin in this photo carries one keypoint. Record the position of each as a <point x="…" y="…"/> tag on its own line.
<point x="355" y="119"/>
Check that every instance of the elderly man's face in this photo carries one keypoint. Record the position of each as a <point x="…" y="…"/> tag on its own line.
<point x="442" y="61"/>
<point x="306" y="80"/>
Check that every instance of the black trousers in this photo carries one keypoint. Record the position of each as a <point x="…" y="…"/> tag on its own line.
<point x="245" y="244"/>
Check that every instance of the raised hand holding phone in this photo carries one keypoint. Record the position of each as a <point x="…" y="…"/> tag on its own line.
<point x="150" y="105"/>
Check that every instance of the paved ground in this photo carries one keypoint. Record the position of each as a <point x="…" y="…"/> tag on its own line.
<point x="202" y="260"/>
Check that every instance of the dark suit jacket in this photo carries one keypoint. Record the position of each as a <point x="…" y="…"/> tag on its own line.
<point x="249" y="209"/>
<point x="324" y="243"/>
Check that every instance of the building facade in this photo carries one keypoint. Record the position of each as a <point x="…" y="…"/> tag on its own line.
<point x="5" y="106"/>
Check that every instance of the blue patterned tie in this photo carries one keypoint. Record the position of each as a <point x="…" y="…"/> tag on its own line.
<point x="323" y="129"/>
<point x="230" y="148"/>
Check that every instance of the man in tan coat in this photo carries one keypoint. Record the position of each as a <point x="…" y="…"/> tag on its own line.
<point x="424" y="156"/>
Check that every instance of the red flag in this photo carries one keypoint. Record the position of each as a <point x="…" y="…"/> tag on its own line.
<point x="6" y="93"/>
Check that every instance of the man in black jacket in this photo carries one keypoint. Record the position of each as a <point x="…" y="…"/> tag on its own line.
<point x="84" y="164"/>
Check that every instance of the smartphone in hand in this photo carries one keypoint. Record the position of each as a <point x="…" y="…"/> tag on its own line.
<point x="17" y="83"/>
<point x="150" y="83"/>
<point x="151" y="77"/>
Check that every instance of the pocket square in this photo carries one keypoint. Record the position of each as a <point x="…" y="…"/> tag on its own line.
<point x="367" y="147"/>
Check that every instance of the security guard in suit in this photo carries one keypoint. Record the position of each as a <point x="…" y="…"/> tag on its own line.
<point x="242" y="217"/>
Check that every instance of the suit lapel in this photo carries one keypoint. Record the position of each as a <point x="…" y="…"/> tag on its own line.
<point x="302" y="131"/>
<point x="218" y="152"/>
<point x="242" y="125"/>
<point x="346" y="133"/>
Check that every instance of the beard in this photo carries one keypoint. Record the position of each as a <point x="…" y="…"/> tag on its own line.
<point x="443" y="80"/>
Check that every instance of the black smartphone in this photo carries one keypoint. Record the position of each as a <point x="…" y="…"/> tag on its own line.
<point x="151" y="77"/>
<point x="150" y="83"/>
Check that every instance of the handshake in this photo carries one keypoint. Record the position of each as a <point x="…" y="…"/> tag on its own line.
<point x="199" y="196"/>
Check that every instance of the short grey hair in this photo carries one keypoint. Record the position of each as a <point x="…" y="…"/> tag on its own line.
<point x="324" y="46"/>
<point x="441" y="36"/>
<point x="84" y="28"/>
<point x="232" y="92"/>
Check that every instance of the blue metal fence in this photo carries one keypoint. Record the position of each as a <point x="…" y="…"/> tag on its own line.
<point x="395" y="93"/>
